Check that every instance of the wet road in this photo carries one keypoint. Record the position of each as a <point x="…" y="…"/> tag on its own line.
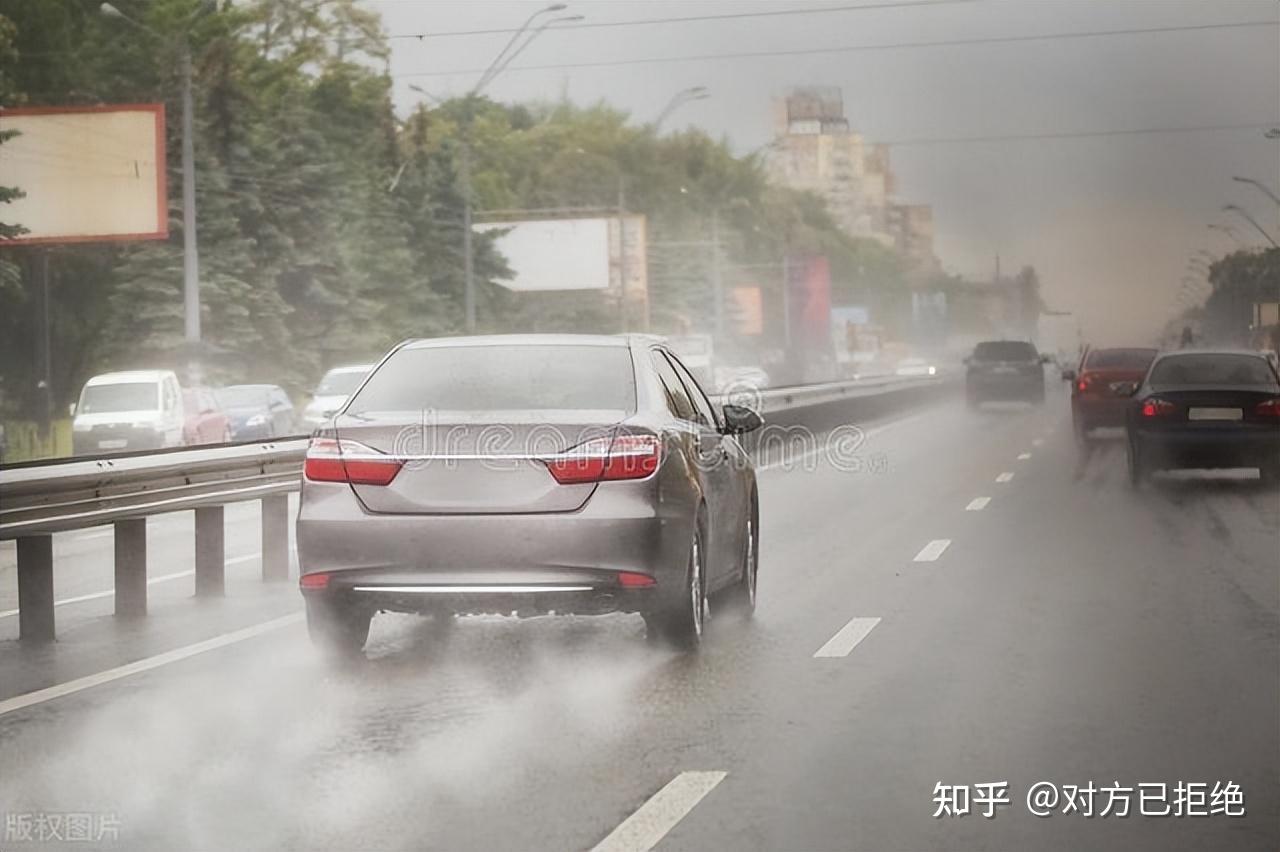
<point x="972" y="601"/>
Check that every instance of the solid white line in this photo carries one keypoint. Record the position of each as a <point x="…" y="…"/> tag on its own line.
<point x="977" y="504"/>
<point x="163" y="578"/>
<point x="645" y="828"/>
<point x="1004" y="477"/>
<point x="847" y="638"/>
<point x="89" y="681"/>
<point x="931" y="551"/>
<point x="1023" y="456"/>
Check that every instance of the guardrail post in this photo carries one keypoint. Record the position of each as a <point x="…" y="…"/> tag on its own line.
<point x="211" y="561"/>
<point x="131" y="567"/>
<point x="275" y="537"/>
<point x="35" y="588"/>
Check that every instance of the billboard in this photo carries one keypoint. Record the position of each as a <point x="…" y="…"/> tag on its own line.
<point x="90" y="173"/>
<point x="809" y="300"/>
<point x="554" y="254"/>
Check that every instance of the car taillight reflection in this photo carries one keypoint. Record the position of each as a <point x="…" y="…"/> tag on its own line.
<point x="1268" y="408"/>
<point x="1156" y="407"/>
<point x="332" y="460"/>
<point x="603" y="460"/>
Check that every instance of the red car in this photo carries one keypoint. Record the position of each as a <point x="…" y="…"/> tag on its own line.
<point x="1098" y="397"/>
<point x="204" y="421"/>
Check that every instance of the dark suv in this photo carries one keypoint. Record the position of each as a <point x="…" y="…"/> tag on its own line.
<point x="1004" y="370"/>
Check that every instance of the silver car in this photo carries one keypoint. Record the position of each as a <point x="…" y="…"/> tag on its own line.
<point x="528" y="474"/>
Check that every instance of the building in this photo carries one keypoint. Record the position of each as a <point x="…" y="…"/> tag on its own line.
<point x="814" y="149"/>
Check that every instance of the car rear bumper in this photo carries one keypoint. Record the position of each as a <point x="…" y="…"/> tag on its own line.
<point x="1210" y="448"/>
<point x="527" y="563"/>
<point x="1012" y="387"/>
<point x="1095" y="412"/>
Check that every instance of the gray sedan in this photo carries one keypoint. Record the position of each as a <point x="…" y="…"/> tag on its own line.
<point x="528" y="474"/>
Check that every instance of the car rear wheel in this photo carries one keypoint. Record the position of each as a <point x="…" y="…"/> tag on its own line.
<point x="683" y="623"/>
<point x="742" y="594"/>
<point x="339" y="633"/>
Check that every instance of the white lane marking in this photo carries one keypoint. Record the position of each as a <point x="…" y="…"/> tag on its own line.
<point x="977" y="504"/>
<point x="847" y="638"/>
<point x="1004" y="477"/>
<point x="163" y="578"/>
<point x="1037" y="442"/>
<point x="645" y="828"/>
<point x="1023" y="456"/>
<point x="40" y="696"/>
<point x="817" y="451"/>
<point x="931" y="551"/>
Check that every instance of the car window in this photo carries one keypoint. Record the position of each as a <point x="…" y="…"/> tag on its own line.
<point x="1211" y="369"/>
<point x="1005" y="350"/>
<point x="1127" y="359"/>
<point x="339" y="382"/>
<point x="512" y="377"/>
<point x="706" y="411"/>
<point x="678" y="401"/>
<point x="123" y="396"/>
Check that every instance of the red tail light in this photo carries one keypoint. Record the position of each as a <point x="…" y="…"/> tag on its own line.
<point x="632" y="580"/>
<point x="1083" y="384"/>
<point x="1156" y="407"/>
<point x="1268" y="408"/>
<point x="599" y="460"/>
<point x="314" y="582"/>
<point x="331" y="460"/>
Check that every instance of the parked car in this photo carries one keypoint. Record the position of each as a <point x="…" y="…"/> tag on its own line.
<point x="332" y="393"/>
<point x="568" y="473"/>
<point x="1098" y="399"/>
<point x="1004" y="371"/>
<point x="134" y="410"/>
<point x="257" y="411"/>
<point x="205" y="422"/>
<point x="1205" y="410"/>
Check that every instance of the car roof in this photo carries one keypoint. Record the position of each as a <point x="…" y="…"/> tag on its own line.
<point x="1173" y="353"/>
<point x="617" y="340"/>
<point x="128" y="376"/>
<point x="349" y="368"/>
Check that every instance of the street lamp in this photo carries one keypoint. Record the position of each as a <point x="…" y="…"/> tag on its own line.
<point x="1228" y="230"/>
<point x="1244" y="215"/>
<point x="190" y="255"/>
<point x="679" y="99"/>
<point x="1260" y="185"/>
<point x="495" y="68"/>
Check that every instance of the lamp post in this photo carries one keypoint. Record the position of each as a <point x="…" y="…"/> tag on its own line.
<point x="1245" y="215"/>
<point x="190" y="250"/>
<point x="679" y="99"/>
<point x="1228" y="230"/>
<point x="499" y="63"/>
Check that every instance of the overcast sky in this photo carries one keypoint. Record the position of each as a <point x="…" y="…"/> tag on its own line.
<point x="1109" y="221"/>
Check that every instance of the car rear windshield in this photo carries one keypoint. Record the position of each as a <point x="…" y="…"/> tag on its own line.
<point x="502" y="378"/>
<point x="126" y="396"/>
<point x="1120" y="359"/>
<point x="1180" y="370"/>
<point x="1005" y="350"/>
<point x="337" y="383"/>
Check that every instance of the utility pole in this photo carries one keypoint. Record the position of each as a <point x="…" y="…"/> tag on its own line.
<point x="190" y="255"/>
<point x="717" y="282"/>
<point x="469" y="297"/>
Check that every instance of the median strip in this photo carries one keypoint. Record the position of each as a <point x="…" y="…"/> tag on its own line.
<point x="645" y="828"/>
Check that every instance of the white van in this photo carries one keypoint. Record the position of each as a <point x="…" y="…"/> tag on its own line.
<point x="137" y="410"/>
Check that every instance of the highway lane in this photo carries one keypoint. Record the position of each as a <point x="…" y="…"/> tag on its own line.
<point x="1068" y="630"/>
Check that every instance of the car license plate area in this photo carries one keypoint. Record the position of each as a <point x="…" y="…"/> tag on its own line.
<point x="1005" y="371"/>
<point x="113" y="444"/>
<point x="1229" y="414"/>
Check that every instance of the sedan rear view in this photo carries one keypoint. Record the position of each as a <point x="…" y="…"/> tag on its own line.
<point x="523" y="474"/>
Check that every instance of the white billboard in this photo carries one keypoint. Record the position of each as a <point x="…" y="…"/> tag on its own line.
<point x="554" y="254"/>
<point x="89" y="173"/>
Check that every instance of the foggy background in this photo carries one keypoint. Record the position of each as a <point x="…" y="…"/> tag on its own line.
<point x="1108" y="221"/>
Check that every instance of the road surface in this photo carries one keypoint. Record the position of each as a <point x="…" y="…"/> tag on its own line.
<point x="971" y="601"/>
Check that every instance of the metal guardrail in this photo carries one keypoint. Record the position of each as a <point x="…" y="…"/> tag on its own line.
<point x="38" y="499"/>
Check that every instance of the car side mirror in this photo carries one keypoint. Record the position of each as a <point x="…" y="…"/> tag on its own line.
<point x="1068" y="375"/>
<point x="1045" y="359"/>
<point x="738" y="419"/>
<point x="71" y="409"/>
